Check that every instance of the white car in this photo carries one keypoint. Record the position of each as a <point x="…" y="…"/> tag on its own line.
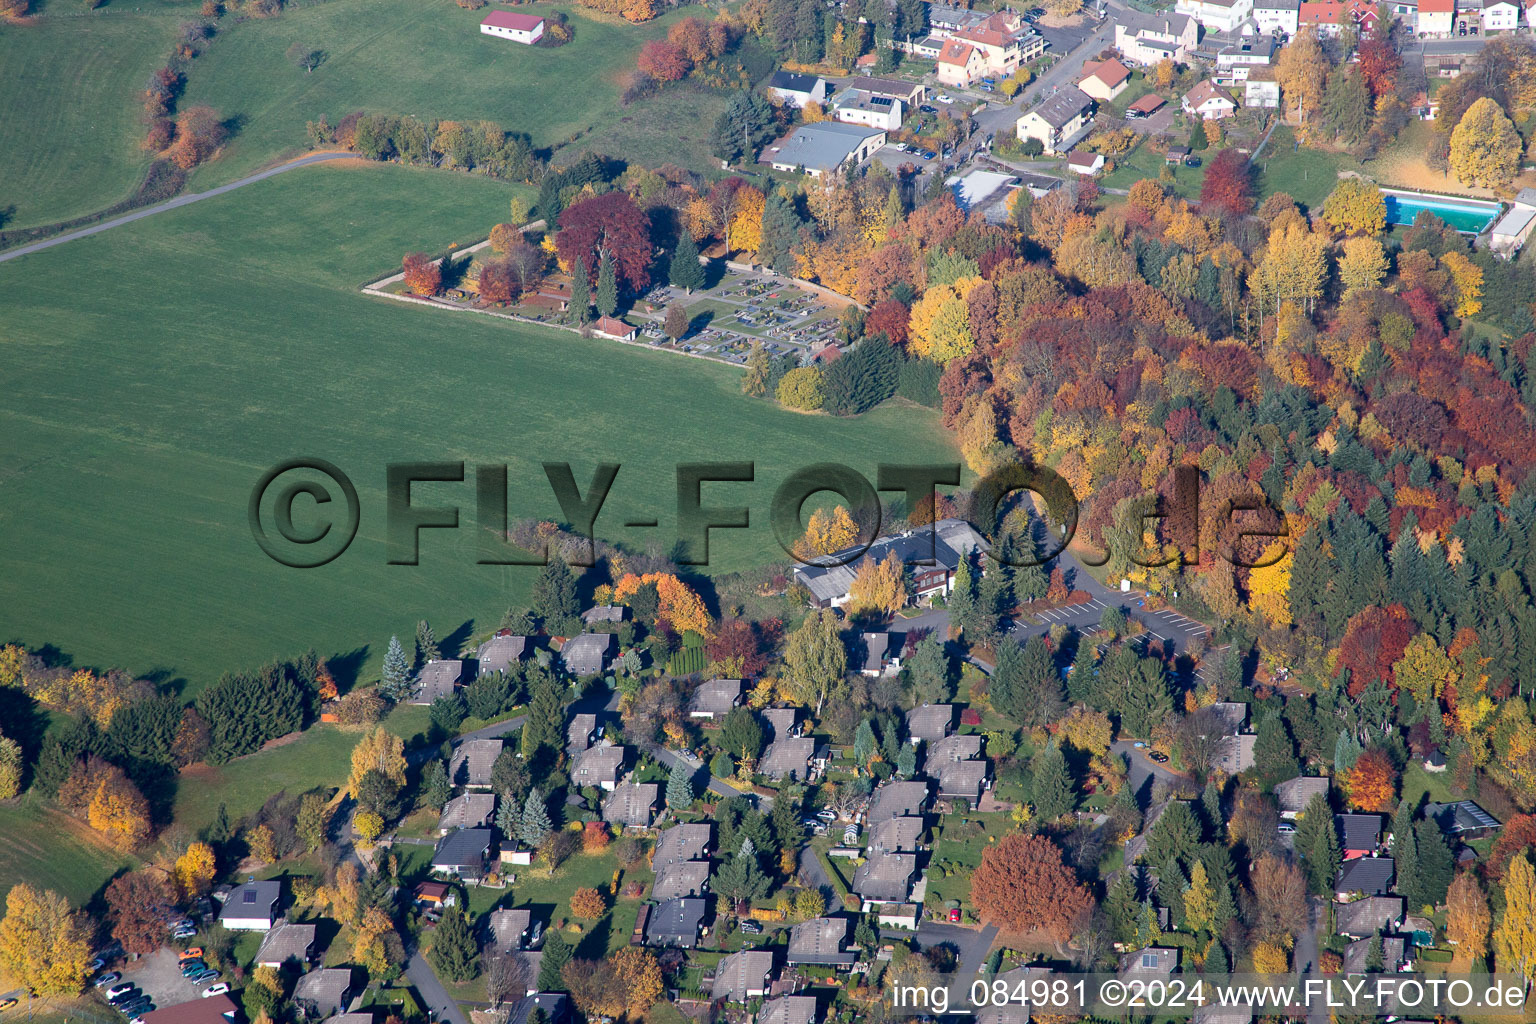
<point x="944" y="97"/>
<point x="216" y="990"/>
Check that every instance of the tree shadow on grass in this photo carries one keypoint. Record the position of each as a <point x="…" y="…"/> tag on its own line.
<point x="345" y="668"/>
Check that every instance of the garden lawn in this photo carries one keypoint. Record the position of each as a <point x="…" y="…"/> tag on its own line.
<point x="427" y="58"/>
<point x="45" y="847"/>
<point x="1145" y="162"/>
<point x="1306" y="175"/>
<point x="958" y="851"/>
<point x="157" y="370"/>
<point x="69" y="112"/>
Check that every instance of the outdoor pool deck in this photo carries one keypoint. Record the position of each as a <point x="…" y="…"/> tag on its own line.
<point x="1469" y="216"/>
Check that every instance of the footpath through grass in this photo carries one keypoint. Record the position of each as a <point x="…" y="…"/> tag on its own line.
<point x="155" y="371"/>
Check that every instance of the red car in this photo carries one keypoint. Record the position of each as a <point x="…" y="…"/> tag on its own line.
<point x="954" y="914"/>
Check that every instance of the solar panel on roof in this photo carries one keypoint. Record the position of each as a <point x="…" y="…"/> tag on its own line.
<point x="249" y="896"/>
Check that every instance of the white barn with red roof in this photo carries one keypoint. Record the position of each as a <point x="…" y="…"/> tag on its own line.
<point x="520" y="28"/>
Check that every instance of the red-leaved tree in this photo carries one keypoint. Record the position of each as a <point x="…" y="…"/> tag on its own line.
<point x="610" y="223"/>
<point x="422" y="276"/>
<point x="664" y="60"/>
<point x="1022" y="884"/>
<point x="1373" y="642"/>
<point x="1228" y="184"/>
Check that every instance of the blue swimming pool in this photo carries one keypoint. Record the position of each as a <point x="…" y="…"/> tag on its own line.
<point x="1468" y="216"/>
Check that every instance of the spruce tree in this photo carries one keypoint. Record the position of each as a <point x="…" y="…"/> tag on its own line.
<point x="781" y="230"/>
<point x="1316" y="818"/>
<point x="509" y="816"/>
<point x="426" y="644"/>
<point x="395" y="680"/>
<point x="454" y="953"/>
<point x="962" y="598"/>
<point x="1216" y="958"/>
<point x="1323" y="860"/>
<point x="1210" y="807"/>
<point x="1405" y="851"/>
<point x="543" y="731"/>
<point x="607" y="286"/>
<point x="1170" y="891"/>
<point x="740" y="879"/>
<point x="557" y="953"/>
<point x="1148" y="932"/>
<point x="1374" y="958"/>
<point x="686" y="272"/>
<point x="1435" y="867"/>
<point x="996" y="592"/>
<point x="581" y="293"/>
<point x="1052" y="784"/>
<point x="680" y="794"/>
<point x="1274" y="753"/>
<point x="1346" y="750"/>
<point x="535" y="824"/>
<point x="435" y="787"/>
<point x="555" y="599"/>
<point x="1121" y="907"/>
<point x="906" y="761"/>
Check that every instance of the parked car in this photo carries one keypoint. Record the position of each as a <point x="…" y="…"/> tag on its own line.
<point x="1158" y="756"/>
<point x="191" y="953"/>
<point x="118" y="992"/>
<point x="209" y="975"/>
<point x="97" y="963"/>
<point x="7" y="1003"/>
<point x="927" y="155"/>
<point x="107" y="979"/>
<point x="215" y="990"/>
<point x="134" y="1007"/>
<point x="136" y="1020"/>
<point x="928" y="109"/>
<point x="954" y="914"/>
<point x="984" y="87"/>
<point x="183" y="933"/>
<point x="1192" y="161"/>
<point x="944" y="97"/>
<point x="191" y="967"/>
<point x="826" y="815"/>
<point x="751" y="928"/>
<point x="1285" y="828"/>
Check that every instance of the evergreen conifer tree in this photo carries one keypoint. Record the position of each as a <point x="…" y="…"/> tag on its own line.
<point x="607" y="286"/>
<point x="557" y="953"/>
<point x="686" y="272"/>
<point x="535" y="824"/>
<point x="680" y="794"/>
<point x="1432" y="876"/>
<point x="395" y="680"/>
<point x="581" y="293"/>
<point x="426" y="644"/>
<point x="454" y="953"/>
<point x="1052" y="784"/>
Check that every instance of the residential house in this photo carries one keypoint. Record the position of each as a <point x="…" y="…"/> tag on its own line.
<point x="1060" y="121"/>
<point x="1261" y="88"/>
<point x="1216" y="15"/>
<point x="556" y="1007"/>
<point x="251" y="907"/>
<point x="820" y="941"/>
<point x="613" y="613"/>
<point x="1359" y="834"/>
<point x="218" y="1009"/>
<point x="823" y="148"/>
<point x="437" y="678"/>
<point x="897" y="800"/>
<point x="1086" y="164"/>
<point x="1277" y="17"/>
<point x="1357" y="955"/>
<point x="472" y="761"/>
<point x="898" y="915"/>
<point x="1234" y="63"/>
<point x="788" y="1010"/>
<point x="858" y="107"/>
<point x="1149" y="38"/>
<point x="1330" y="17"/>
<point x="500" y="653"/>
<point x="520" y="28"/>
<point x="631" y="804"/>
<point x="286" y="942"/>
<point x="1293" y="795"/>
<point x="1364" y="918"/>
<point x="1500" y="16"/>
<point x="676" y="923"/>
<point x="1437" y="18"/>
<point x="960" y="64"/>
<point x="1209" y="102"/>
<point x="714" y="700"/>
<point x="1530" y="13"/>
<point x="933" y="560"/>
<point x="780" y="722"/>
<point x="601" y="765"/>
<point x="514" y="929"/>
<point x="680" y="878"/>
<point x="910" y="93"/>
<point x="796" y="89"/>
<point x="472" y="810"/>
<point x="788" y="758"/>
<point x="902" y="834"/>
<point x="1370" y="876"/>
<point x="679" y="844"/>
<point x="462" y="854"/>
<point x="587" y="654"/>
<point x="930" y="722"/>
<point x="428" y="895"/>
<point x="1104" y="80"/>
<point x="323" y="993"/>
<point x="1149" y="962"/>
<point x="614" y="329"/>
<point x="1463" y="819"/>
<point x="1146" y="106"/>
<point x="742" y="976"/>
<point x="1234" y="754"/>
<point x="950" y="748"/>
<point x="885" y="878"/>
<point x="877" y="655"/>
<point x="581" y="733"/>
<point x="963" y="780"/>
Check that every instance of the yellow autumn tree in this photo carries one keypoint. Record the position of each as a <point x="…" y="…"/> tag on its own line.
<point x="1088" y="731"/>
<point x="1363" y="264"/>
<point x="940" y="326"/>
<point x="376" y="947"/>
<point x="1485" y="148"/>
<point x="120" y="812"/>
<point x="744" y="233"/>
<point x="640" y="975"/>
<point x="1425" y="669"/>
<point x="827" y="532"/>
<point x="1468" y="279"/>
<point x="676" y="601"/>
<point x="1356" y="207"/>
<point x="1271" y="958"/>
<point x="195" y="869"/>
<point x="1269" y="588"/>
<point x="1514" y="941"/>
<point x="1467" y="920"/>
<point x="381" y="751"/>
<point x="43" y="943"/>
<point x="878" y="586"/>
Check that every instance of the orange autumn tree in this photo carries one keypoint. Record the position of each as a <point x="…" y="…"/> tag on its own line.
<point x="1372" y="782"/>
<point x="744" y="232"/>
<point x="1023" y="884"/>
<point x="422" y="276"/>
<point x="677" y="603"/>
<point x="587" y="902"/>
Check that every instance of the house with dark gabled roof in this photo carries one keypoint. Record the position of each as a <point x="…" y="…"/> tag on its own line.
<point x="472" y="762"/>
<point x="681" y="843"/>
<point x="513" y="929"/>
<point x="1359" y="834"/>
<point x="556" y="1007"/>
<point x="885" y="878"/>
<point x="604" y="613"/>
<point x="676" y="923"/>
<point x="1370" y="876"/>
<point x="500" y="653"/>
<point x="679" y="879"/>
<point x="462" y="853"/>
<point x="1364" y="918"/>
<point x="601" y="765"/>
<point x="1463" y="819"/>
<point x="1293" y="795"/>
<point x="252" y="906"/>
<point x="1059" y="120"/>
<point x="898" y="799"/>
<point x="581" y="733"/>
<point x="286" y="942"/>
<point x="631" y="804"/>
<point x="820" y="941"/>
<point x="877" y="660"/>
<point x="897" y="835"/>
<point x="930" y="722"/>
<point x="323" y="993"/>
<point x="788" y="1010"/>
<point x="587" y="654"/>
<point x="780" y="722"/>
<point x="950" y="748"/>
<point x="788" y="758"/>
<point x="1358" y="953"/>
<point x="714" y="699"/>
<point x="1151" y="961"/>
<point x="962" y="780"/>
<point x="742" y="976"/>
<point x="797" y="89"/>
<point x="437" y="678"/>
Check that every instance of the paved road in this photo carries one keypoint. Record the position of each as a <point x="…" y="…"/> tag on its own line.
<point x="973" y="943"/>
<point x="439" y="1004"/>
<point x="1143" y="767"/>
<point x="812" y="871"/>
<point x="192" y="197"/>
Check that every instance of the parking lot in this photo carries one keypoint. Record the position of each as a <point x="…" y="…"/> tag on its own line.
<point x="158" y="976"/>
<point x="1166" y="625"/>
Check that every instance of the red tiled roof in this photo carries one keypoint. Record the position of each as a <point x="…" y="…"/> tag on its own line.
<point x="512" y="20"/>
<point x="982" y="35"/>
<point x="955" y="52"/>
<point x="1322" y="13"/>
<point x="1437" y="6"/>
<point x="608" y="325"/>
<point x="1110" y="72"/>
<point x="197" y="1011"/>
<point x="1205" y="92"/>
<point x="1148" y="103"/>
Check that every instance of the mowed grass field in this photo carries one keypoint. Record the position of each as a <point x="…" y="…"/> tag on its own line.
<point x="69" y="130"/>
<point x="155" y="371"/>
<point x="427" y="58"/>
